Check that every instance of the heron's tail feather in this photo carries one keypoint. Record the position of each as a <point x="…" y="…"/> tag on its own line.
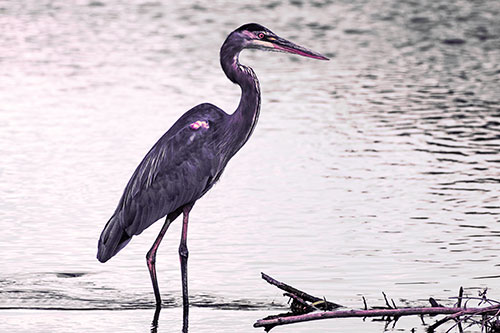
<point x="113" y="239"/>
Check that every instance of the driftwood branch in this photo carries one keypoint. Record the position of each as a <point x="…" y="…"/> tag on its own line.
<point x="454" y="312"/>
<point x="295" y="293"/>
<point x="308" y="304"/>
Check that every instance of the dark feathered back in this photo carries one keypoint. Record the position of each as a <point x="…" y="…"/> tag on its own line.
<point x="178" y="170"/>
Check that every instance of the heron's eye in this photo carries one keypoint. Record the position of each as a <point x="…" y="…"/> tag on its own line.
<point x="260" y="35"/>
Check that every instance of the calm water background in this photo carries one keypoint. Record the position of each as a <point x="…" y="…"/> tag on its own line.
<point x="376" y="171"/>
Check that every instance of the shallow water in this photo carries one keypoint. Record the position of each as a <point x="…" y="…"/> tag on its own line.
<point x="375" y="171"/>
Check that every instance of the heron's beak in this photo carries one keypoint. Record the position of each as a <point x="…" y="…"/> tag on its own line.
<point x="283" y="45"/>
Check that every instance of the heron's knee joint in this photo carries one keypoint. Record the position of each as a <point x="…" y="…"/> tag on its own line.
<point x="150" y="258"/>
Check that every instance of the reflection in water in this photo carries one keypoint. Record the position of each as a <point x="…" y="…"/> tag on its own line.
<point x="383" y="176"/>
<point x="154" y="323"/>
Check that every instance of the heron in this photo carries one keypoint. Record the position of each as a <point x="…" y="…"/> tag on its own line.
<point x="190" y="157"/>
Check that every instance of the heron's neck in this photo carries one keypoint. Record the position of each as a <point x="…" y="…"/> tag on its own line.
<point x="244" y="119"/>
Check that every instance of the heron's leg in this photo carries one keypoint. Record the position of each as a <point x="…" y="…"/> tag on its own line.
<point x="151" y="260"/>
<point x="183" y="256"/>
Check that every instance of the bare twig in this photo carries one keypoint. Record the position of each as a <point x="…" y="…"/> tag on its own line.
<point x="460" y="294"/>
<point x="386" y="301"/>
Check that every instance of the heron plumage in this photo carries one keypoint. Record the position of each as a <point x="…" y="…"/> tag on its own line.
<point x="181" y="167"/>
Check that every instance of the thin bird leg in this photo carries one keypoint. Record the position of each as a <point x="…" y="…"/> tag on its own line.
<point x="183" y="257"/>
<point x="151" y="260"/>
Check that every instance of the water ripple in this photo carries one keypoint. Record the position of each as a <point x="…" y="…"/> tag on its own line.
<point x="42" y="292"/>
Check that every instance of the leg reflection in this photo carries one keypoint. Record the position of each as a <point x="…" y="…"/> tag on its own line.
<point x="156" y="317"/>
<point x="154" y="323"/>
<point x="185" y="322"/>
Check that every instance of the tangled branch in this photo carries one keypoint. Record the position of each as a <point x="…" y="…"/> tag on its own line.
<point x="306" y="307"/>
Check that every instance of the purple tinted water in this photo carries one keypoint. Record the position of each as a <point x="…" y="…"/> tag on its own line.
<point x="375" y="171"/>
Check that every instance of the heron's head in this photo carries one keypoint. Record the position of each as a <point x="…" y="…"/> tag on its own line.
<point x="255" y="36"/>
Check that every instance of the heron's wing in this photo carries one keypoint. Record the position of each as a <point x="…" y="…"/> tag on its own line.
<point x="178" y="170"/>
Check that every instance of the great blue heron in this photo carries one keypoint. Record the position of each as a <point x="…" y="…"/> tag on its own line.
<point x="190" y="157"/>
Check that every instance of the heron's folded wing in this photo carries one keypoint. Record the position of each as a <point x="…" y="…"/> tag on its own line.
<point x="175" y="172"/>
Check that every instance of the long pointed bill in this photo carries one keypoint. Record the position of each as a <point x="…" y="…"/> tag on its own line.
<point x="281" y="44"/>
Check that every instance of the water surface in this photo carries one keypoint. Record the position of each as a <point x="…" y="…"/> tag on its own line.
<point x="375" y="171"/>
